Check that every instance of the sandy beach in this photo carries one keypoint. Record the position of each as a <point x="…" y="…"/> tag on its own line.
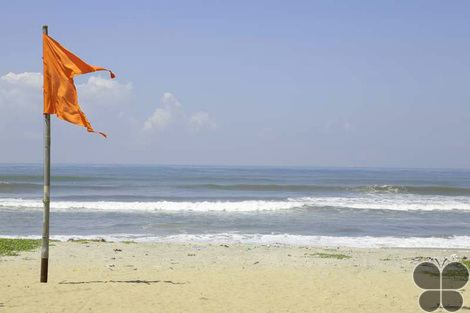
<point x="170" y="277"/>
<point x="234" y="157"/>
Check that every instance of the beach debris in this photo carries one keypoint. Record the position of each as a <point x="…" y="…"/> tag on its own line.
<point x="454" y="257"/>
<point x="191" y="254"/>
<point x="85" y="241"/>
<point x="117" y="250"/>
<point x="417" y="258"/>
<point x="226" y="246"/>
<point x="257" y="262"/>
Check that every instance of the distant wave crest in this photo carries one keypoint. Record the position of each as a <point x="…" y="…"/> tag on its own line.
<point x="420" y="190"/>
<point x="384" y="189"/>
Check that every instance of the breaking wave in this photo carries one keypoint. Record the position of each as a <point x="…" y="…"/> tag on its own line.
<point x="367" y="202"/>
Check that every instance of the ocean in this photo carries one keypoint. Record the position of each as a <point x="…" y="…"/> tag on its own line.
<point x="356" y="207"/>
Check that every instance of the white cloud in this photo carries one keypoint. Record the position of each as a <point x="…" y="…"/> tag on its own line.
<point x="18" y="88"/>
<point x="104" y="91"/>
<point x="20" y="92"/>
<point x="171" y="112"/>
<point x="20" y="106"/>
<point x="28" y="79"/>
<point x="201" y="120"/>
<point x="21" y="118"/>
<point x="21" y="100"/>
<point x="160" y="119"/>
<point x="163" y="116"/>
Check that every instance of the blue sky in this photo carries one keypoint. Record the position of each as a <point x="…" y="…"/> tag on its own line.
<point x="318" y="83"/>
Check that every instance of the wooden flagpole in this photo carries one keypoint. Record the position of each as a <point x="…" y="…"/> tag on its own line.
<point x="46" y="198"/>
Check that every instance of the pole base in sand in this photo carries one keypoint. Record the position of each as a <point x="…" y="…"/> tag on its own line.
<point x="44" y="267"/>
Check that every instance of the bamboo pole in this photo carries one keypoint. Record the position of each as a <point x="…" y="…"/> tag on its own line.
<point x="46" y="198"/>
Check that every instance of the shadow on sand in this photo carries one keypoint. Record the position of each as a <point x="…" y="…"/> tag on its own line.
<point x="137" y="281"/>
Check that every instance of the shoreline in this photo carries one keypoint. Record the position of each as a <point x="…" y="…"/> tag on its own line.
<point x="315" y="241"/>
<point x="90" y="276"/>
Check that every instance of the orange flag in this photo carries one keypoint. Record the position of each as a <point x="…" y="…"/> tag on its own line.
<point x="60" y="94"/>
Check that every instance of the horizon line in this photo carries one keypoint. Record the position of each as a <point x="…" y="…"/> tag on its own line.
<point x="280" y="166"/>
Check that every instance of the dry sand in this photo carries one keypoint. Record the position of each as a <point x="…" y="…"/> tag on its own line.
<point x="159" y="277"/>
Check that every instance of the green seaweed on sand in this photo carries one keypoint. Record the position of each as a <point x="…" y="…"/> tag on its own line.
<point x="11" y="247"/>
<point x="323" y="255"/>
<point x="466" y="263"/>
<point x="128" y="242"/>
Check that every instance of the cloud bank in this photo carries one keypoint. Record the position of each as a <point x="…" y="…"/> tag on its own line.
<point x="21" y="102"/>
<point x="110" y="106"/>
<point x="29" y="79"/>
<point x="19" y="89"/>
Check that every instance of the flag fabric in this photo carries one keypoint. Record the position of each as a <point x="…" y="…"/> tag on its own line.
<point x="60" y="94"/>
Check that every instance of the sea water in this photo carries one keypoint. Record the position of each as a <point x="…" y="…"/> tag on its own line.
<point x="358" y="207"/>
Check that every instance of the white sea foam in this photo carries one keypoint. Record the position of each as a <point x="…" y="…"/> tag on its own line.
<point x="197" y="206"/>
<point x="454" y="242"/>
<point x="392" y="202"/>
<point x="370" y="202"/>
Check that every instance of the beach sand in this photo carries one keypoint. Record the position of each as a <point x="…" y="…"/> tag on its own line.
<point x="172" y="277"/>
